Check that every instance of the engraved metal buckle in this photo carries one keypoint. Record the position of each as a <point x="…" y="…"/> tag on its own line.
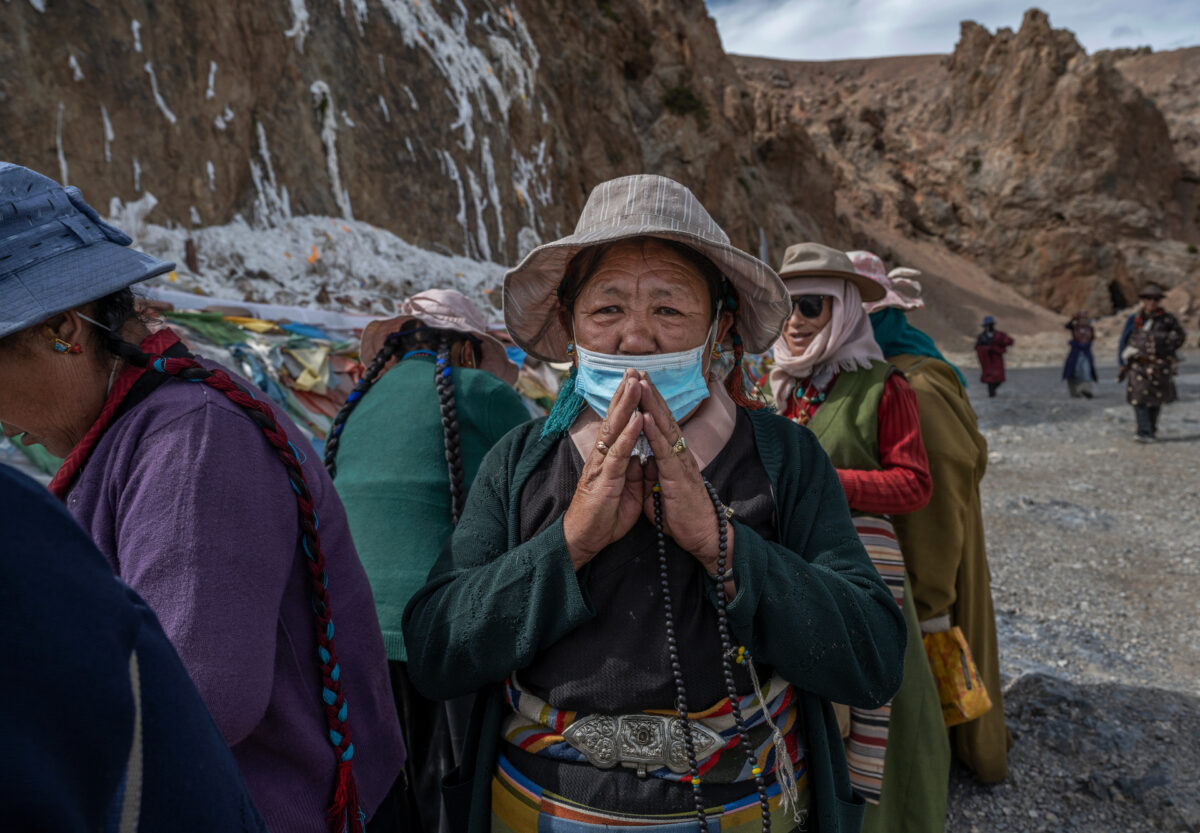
<point x="640" y="741"/>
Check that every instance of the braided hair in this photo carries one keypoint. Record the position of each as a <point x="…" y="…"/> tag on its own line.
<point x="450" y="432"/>
<point x="412" y="337"/>
<point x="391" y="346"/>
<point x="735" y="381"/>
<point x="113" y="312"/>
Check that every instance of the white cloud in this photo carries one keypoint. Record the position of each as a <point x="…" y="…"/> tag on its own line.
<point x="823" y="30"/>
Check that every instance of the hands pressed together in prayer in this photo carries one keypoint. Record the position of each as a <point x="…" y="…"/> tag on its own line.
<point x="615" y="488"/>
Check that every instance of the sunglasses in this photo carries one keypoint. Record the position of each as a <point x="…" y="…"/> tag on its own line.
<point x="809" y="306"/>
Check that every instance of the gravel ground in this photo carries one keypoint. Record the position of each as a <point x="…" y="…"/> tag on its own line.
<point x="1095" y="559"/>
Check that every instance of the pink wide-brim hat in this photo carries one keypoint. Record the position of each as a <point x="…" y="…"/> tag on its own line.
<point x="869" y="265"/>
<point x="644" y="205"/>
<point x="443" y="309"/>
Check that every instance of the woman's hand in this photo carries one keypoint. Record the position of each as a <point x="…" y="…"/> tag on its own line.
<point x="608" y="498"/>
<point x="687" y="509"/>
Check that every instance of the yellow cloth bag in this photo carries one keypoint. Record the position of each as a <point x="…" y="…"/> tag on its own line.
<point x="960" y="689"/>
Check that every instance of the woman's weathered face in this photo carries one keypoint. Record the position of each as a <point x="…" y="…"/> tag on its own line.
<point x="643" y="298"/>
<point x="800" y="330"/>
<point x="52" y="398"/>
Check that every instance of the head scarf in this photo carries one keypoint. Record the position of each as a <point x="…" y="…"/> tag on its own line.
<point x="895" y="336"/>
<point x="846" y="343"/>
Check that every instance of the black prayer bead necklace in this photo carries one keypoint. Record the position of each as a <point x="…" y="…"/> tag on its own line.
<point x="727" y="652"/>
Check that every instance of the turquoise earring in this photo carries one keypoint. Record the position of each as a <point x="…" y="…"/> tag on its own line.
<point x="570" y="348"/>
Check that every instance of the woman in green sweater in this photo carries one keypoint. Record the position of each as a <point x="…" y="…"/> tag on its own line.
<point x="440" y="398"/>
<point x="657" y="589"/>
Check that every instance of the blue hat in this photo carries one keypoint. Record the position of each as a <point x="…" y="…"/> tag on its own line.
<point x="987" y="319"/>
<point x="55" y="251"/>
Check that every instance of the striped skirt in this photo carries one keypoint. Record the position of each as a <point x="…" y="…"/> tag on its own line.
<point x="520" y="806"/>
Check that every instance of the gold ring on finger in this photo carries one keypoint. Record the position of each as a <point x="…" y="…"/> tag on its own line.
<point x="680" y="445"/>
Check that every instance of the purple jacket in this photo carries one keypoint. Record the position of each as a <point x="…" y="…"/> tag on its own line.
<point x="193" y="510"/>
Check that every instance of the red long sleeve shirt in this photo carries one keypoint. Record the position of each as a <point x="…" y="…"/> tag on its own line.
<point x="904" y="484"/>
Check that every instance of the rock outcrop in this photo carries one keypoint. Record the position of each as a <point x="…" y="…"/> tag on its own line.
<point x="472" y="127"/>
<point x="1045" y="166"/>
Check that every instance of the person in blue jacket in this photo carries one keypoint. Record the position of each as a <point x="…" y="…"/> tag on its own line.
<point x="104" y="730"/>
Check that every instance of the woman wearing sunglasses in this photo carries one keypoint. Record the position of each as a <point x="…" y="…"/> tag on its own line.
<point x="830" y="376"/>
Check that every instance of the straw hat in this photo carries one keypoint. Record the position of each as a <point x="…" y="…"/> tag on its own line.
<point x="812" y="260"/>
<point x="55" y="251"/>
<point x="443" y="309"/>
<point x="869" y="265"/>
<point x="638" y="206"/>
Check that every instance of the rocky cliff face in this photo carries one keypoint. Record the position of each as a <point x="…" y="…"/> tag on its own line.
<point x="1045" y="166"/>
<point x="470" y="126"/>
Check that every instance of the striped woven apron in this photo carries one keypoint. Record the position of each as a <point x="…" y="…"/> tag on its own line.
<point x="867" y="745"/>
<point x="520" y="806"/>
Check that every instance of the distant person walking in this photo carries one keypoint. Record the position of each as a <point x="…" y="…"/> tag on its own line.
<point x="1080" y="368"/>
<point x="990" y="346"/>
<point x="1148" y="360"/>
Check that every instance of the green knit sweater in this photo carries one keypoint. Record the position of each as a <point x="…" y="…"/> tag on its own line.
<point x="812" y="606"/>
<point x="393" y="480"/>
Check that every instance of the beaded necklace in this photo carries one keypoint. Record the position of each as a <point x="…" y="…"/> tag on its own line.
<point x="727" y="651"/>
<point x="806" y="402"/>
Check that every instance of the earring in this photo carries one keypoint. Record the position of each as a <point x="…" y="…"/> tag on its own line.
<point x="61" y="346"/>
<point x="716" y="351"/>
<point x="570" y="348"/>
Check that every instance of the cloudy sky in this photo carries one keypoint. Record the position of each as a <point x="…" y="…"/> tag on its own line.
<point x="821" y="30"/>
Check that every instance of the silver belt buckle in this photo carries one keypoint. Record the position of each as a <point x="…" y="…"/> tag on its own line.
<point x="640" y="741"/>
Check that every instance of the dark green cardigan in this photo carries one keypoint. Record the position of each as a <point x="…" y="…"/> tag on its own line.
<point x="812" y="606"/>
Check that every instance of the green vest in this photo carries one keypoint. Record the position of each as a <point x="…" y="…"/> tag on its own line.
<point x="847" y="423"/>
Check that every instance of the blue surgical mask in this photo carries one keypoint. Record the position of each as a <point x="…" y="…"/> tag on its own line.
<point x="679" y="377"/>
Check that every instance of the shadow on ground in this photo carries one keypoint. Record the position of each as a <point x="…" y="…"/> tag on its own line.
<point x="1102" y="757"/>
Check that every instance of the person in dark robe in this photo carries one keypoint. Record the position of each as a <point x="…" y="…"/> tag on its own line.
<point x="1147" y="353"/>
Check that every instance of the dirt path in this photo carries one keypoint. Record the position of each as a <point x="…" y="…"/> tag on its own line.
<point x="1095" y="561"/>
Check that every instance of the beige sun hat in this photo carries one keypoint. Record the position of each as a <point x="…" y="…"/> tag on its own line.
<point x="639" y="206"/>
<point x="812" y="260"/>
<point x="443" y="309"/>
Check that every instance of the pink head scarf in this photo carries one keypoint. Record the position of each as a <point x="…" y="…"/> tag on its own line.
<point x="846" y="343"/>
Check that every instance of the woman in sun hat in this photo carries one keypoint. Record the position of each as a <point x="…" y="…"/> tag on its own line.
<point x="944" y="551"/>
<point x="440" y="398"/>
<point x="655" y="554"/>
<point x="186" y="479"/>
<point x="830" y="375"/>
